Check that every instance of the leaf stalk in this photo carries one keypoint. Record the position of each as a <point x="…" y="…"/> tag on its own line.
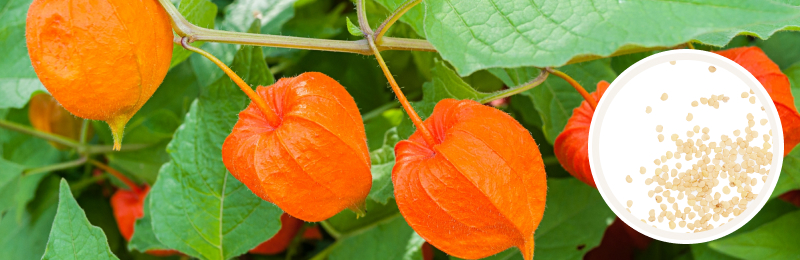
<point x="586" y="96"/>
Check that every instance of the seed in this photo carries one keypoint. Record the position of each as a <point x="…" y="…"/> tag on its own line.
<point x="764" y="178"/>
<point x="689" y="133"/>
<point x="671" y="200"/>
<point x="690" y="226"/>
<point x="658" y="199"/>
<point x="678" y="165"/>
<point x="672" y="62"/>
<point x="712" y="69"/>
<point x="660" y="138"/>
<point x="672" y="223"/>
<point x="751" y="123"/>
<point x="682" y="223"/>
<point x="744" y="94"/>
<point x="657" y="161"/>
<point x="726" y="190"/>
<point x="650" y="193"/>
<point x="717" y="196"/>
<point x="751" y="92"/>
<point x="674" y="137"/>
<point x="664" y="97"/>
<point x="753" y="182"/>
<point x="763" y="121"/>
<point x="630" y="203"/>
<point x="642" y="170"/>
<point x="689" y="117"/>
<point x="648" y="109"/>
<point x="716" y="217"/>
<point x="750" y="116"/>
<point x="736" y="132"/>
<point x="628" y="179"/>
<point x="766" y="138"/>
<point x="694" y="103"/>
<point x="648" y="181"/>
<point x="705" y="130"/>
<point x="753" y="100"/>
<point x="703" y="100"/>
<point x="669" y="153"/>
<point x="663" y="206"/>
<point x="696" y="129"/>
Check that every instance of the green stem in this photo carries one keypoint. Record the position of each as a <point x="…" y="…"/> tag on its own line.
<point x="513" y="91"/>
<point x="550" y="160"/>
<point x="322" y="255"/>
<point x="194" y="33"/>
<point x="40" y="134"/>
<point x="362" y="18"/>
<point x="95" y="149"/>
<point x="577" y="86"/>
<point x="328" y="228"/>
<point x="56" y="167"/>
<point x="84" y="132"/>
<point x="384" y="27"/>
<point x="86" y="182"/>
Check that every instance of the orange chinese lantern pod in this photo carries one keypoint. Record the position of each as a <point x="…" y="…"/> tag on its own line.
<point x="47" y="115"/>
<point x="777" y="85"/>
<point x="477" y="191"/>
<point x="313" y="162"/>
<point x="572" y="145"/>
<point x="102" y="60"/>
<point x="128" y="206"/>
<point x="281" y="240"/>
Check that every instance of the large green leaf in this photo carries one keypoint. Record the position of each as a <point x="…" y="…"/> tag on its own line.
<point x="31" y="230"/>
<point x="790" y="173"/>
<point x="480" y="34"/>
<point x="240" y="14"/>
<point x="413" y="17"/>
<point x="197" y="12"/>
<point x="72" y="236"/>
<point x="774" y="240"/>
<point x="143" y="238"/>
<point x="381" y="234"/>
<point x="555" y="98"/>
<point x="17" y="78"/>
<point x="197" y="207"/>
<point x="575" y="219"/>
<point x="780" y="48"/>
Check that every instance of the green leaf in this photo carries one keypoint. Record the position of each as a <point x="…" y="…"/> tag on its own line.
<point x="790" y="174"/>
<point x="382" y="164"/>
<point x="197" y="207"/>
<point x="413" y="17"/>
<point x="377" y="126"/>
<point x="793" y="73"/>
<point x="481" y="34"/>
<point x="30" y="231"/>
<point x="72" y="236"/>
<point x="272" y="14"/>
<point x="197" y="12"/>
<point x="771" y="211"/>
<point x="353" y="29"/>
<point x="555" y="98"/>
<point x="779" y="48"/>
<point x="774" y="240"/>
<point x="381" y="234"/>
<point x="143" y="238"/>
<point x="17" y="78"/>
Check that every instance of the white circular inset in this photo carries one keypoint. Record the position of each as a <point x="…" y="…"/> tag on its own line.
<point x="698" y="96"/>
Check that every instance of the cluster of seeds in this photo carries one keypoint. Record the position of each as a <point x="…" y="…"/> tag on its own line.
<point x="728" y="165"/>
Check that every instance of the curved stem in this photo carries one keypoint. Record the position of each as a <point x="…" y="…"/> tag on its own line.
<point x="40" y="134"/>
<point x="513" y="91"/>
<point x="270" y="115"/>
<point x="56" y="167"/>
<point x="119" y="175"/>
<point x="586" y="96"/>
<point x="402" y="98"/>
<point x="384" y="27"/>
<point x="362" y="18"/>
<point x="689" y="44"/>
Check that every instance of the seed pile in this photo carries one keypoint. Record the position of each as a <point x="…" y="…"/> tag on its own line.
<point x="729" y="165"/>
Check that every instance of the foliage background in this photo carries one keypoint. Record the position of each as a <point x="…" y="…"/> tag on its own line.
<point x="484" y="49"/>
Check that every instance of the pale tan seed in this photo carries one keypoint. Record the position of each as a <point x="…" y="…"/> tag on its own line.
<point x="680" y="196"/>
<point x="648" y="110"/>
<point x="690" y="226"/>
<point x="689" y="117"/>
<point x="630" y="203"/>
<point x="671" y="200"/>
<point x="657" y="161"/>
<point x="751" y="123"/>
<point x="674" y="137"/>
<point x="726" y="190"/>
<point x="763" y="121"/>
<point x="753" y="182"/>
<point x="717" y="196"/>
<point x="648" y="181"/>
<point x="642" y="170"/>
<point x="660" y="137"/>
<point x="716" y="217"/>
<point x="659" y="189"/>
<point x="669" y="153"/>
<point x="764" y="178"/>
<point x="696" y="129"/>
<point x="664" y="97"/>
<point x="682" y="223"/>
<point x="712" y="69"/>
<point x="650" y="193"/>
<point x="663" y="206"/>
<point x="658" y="199"/>
<point x="703" y="100"/>
<point x="629" y="179"/>
<point x="706" y="130"/>
<point x="672" y="62"/>
<point x="766" y="138"/>
<point x="678" y="165"/>
<point x="751" y="92"/>
<point x="736" y="132"/>
<point x="750" y="116"/>
<point x="744" y="94"/>
<point x="689" y="133"/>
<point x="659" y="128"/>
<point x="694" y="103"/>
<point x="753" y="100"/>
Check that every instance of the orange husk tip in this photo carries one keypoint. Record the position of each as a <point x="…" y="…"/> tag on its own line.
<point x="754" y="60"/>
<point x="100" y="67"/>
<point x="572" y="145"/>
<point x="359" y="208"/>
<point x="314" y="162"/>
<point x="479" y="190"/>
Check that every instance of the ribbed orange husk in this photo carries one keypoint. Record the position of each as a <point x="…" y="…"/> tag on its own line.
<point x="47" y="115"/>
<point x="128" y="206"/>
<point x="480" y="189"/>
<point x="777" y="85"/>
<point x="101" y="59"/>
<point x="315" y="162"/>
<point x="572" y="145"/>
<point x="281" y="240"/>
